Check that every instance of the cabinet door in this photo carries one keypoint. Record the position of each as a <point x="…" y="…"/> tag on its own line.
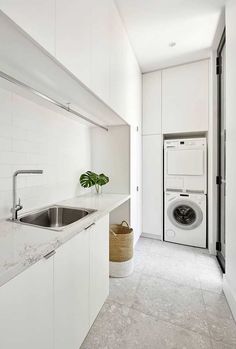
<point x="36" y="17"/>
<point x="71" y="289"/>
<point x="185" y="98"/>
<point x="136" y="181"/>
<point x="153" y="185"/>
<point x="26" y="309"/>
<point x="100" y="48"/>
<point x="73" y="38"/>
<point x="99" y="266"/>
<point x="152" y="103"/>
<point x="118" y="65"/>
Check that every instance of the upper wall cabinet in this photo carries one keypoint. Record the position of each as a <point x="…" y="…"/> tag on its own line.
<point x="133" y="92"/>
<point x="36" y="17"/>
<point x="152" y="103"/>
<point x="118" y="63"/>
<point x="89" y="39"/>
<point x="73" y="39"/>
<point x="185" y="98"/>
<point x="100" y="48"/>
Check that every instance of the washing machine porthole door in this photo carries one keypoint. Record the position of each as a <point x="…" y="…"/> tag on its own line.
<point x="185" y="214"/>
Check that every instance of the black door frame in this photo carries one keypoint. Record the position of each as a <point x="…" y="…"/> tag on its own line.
<point x="220" y="256"/>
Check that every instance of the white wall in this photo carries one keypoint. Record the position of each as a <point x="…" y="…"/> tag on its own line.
<point x="110" y="154"/>
<point x="33" y="137"/>
<point x="230" y="276"/>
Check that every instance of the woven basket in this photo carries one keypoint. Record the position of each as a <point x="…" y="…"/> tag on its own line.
<point x="121" y="242"/>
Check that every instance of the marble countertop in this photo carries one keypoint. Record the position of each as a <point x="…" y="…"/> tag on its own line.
<point x="21" y="245"/>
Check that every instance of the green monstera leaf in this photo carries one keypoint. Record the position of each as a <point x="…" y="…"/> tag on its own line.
<point x="102" y="179"/>
<point x="89" y="179"/>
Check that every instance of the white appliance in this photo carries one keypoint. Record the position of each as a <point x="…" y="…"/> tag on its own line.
<point x="186" y="165"/>
<point x="185" y="218"/>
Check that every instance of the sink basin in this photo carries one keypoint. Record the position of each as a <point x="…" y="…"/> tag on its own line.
<point x="54" y="217"/>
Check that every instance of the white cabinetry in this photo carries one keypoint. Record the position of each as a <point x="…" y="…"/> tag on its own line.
<point x="99" y="266"/>
<point x="26" y="309"/>
<point x="73" y="38"/>
<point x="153" y="185"/>
<point x="54" y="302"/>
<point x="152" y="103"/>
<point x="136" y="181"/>
<point x="71" y="292"/>
<point x="185" y="98"/>
<point x="118" y="61"/>
<point x="100" y="48"/>
<point x="36" y="17"/>
<point x="81" y="283"/>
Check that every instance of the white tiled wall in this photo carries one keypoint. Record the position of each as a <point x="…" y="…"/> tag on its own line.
<point x="33" y="137"/>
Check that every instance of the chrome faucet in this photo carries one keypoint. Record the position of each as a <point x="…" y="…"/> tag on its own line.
<point x="17" y="206"/>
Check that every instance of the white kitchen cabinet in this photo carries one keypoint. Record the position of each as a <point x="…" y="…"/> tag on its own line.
<point x="26" y="309"/>
<point x="81" y="283"/>
<point x="71" y="292"/>
<point x="99" y="266"/>
<point x="136" y="181"/>
<point x="185" y="98"/>
<point x="118" y="65"/>
<point x="36" y="17"/>
<point x="153" y="185"/>
<point x="73" y="37"/>
<point x="100" y="48"/>
<point x="152" y="103"/>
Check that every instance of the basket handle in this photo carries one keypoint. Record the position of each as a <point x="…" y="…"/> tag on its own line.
<point x="113" y="233"/>
<point x="125" y="223"/>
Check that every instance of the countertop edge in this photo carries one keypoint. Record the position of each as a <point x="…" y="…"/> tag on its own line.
<point x="64" y="236"/>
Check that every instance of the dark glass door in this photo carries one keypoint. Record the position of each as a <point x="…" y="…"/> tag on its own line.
<point x="221" y="179"/>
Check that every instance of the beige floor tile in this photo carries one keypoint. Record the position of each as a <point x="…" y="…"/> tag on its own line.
<point x="222" y="329"/>
<point x="170" y="268"/>
<point x="140" y="260"/>
<point x="109" y="328"/>
<point x="145" y="332"/>
<point x="211" y="280"/>
<point x="174" y="303"/>
<point x="122" y="290"/>
<point x="144" y="245"/>
<point x="179" y="252"/>
<point x="220" y="345"/>
<point x="216" y="304"/>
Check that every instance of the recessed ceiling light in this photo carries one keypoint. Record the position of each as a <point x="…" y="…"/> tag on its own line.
<point x="172" y="44"/>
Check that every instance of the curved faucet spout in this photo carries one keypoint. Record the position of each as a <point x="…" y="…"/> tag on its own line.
<point x="17" y="207"/>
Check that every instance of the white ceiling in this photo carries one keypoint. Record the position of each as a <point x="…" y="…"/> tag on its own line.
<point x="153" y="24"/>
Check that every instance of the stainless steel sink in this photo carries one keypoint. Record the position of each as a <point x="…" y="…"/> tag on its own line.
<point x="54" y="217"/>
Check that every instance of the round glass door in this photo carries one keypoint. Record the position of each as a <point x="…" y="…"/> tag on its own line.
<point x="184" y="214"/>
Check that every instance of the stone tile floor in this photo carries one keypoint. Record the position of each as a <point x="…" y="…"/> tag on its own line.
<point x="173" y="300"/>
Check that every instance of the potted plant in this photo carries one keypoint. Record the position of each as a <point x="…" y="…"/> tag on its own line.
<point x="90" y="179"/>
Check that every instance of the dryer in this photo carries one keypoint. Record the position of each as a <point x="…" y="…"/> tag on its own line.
<point x="185" y="165"/>
<point x="185" y="219"/>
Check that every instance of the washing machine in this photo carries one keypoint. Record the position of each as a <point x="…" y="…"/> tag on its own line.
<point x="185" y="218"/>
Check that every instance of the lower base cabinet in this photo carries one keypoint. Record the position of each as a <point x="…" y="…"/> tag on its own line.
<point x="71" y="292"/>
<point x="26" y="309"/>
<point x="53" y="303"/>
<point x="99" y="266"/>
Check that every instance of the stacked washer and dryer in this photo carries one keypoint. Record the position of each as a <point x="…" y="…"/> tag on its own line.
<point x="185" y="191"/>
